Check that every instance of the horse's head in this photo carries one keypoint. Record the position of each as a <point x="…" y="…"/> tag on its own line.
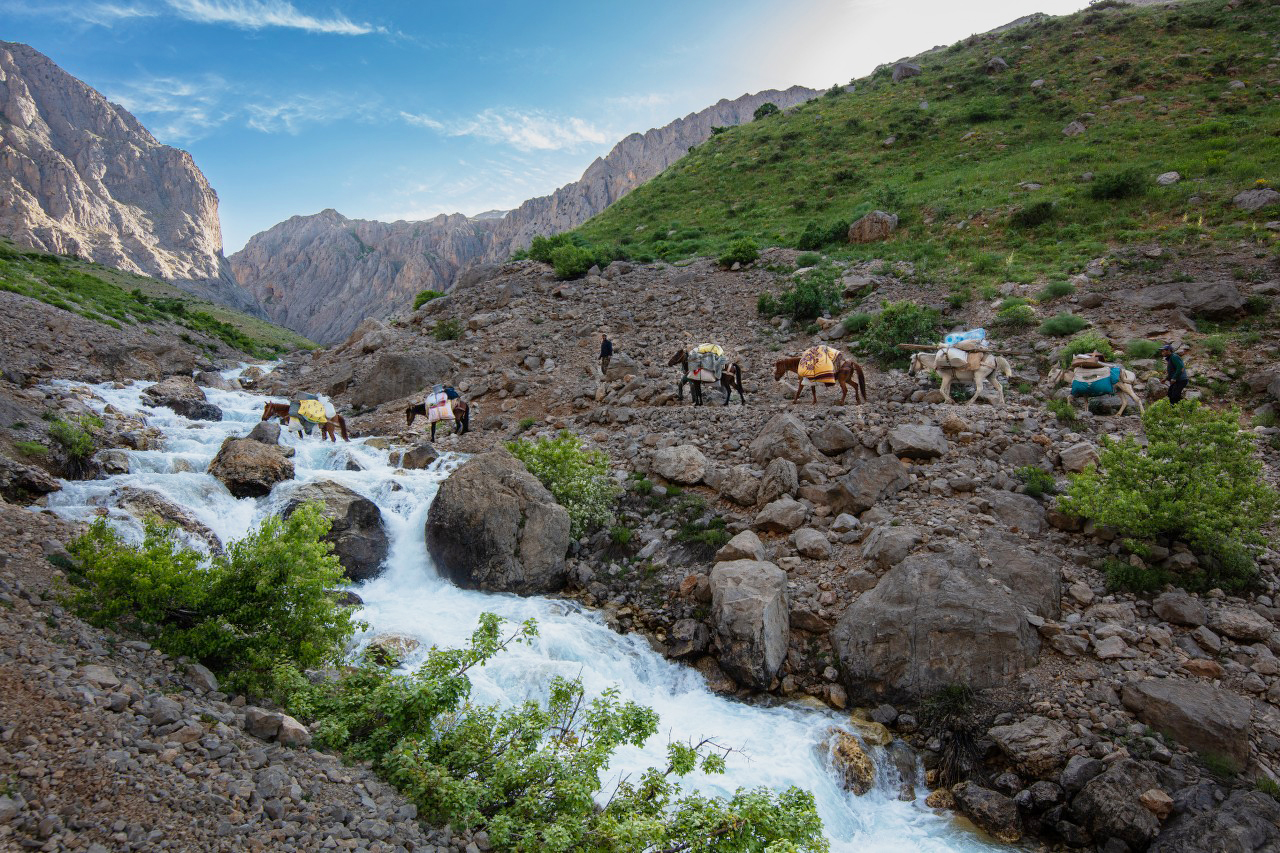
<point x="917" y="364"/>
<point x="780" y="368"/>
<point x="679" y="358"/>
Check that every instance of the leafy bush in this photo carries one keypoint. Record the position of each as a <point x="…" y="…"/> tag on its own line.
<point x="808" y="259"/>
<point x="1197" y="480"/>
<point x="1056" y="290"/>
<point x="767" y="305"/>
<point x="1088" y="342"/>
<point x="816" y="236"/>
<point x="1062" y="410"/>
<point x="263" y="602"/>
<point x="31" y="448"/>
<point x="988" y="291"/>
<point x="855" y="323"/>
<point x="743" y="251"/>
<point x="530" y="775"/>
<point x="1062" y="325"/>
<point x="525" y="424"/>
<point x="74" y="438"/>
<point x="540" y="248"/>
<point x="448" y="329"/>
<point x="1122" y="576"/>
<point x="1257" y="305"/>
<point x="621" y="535"/>
<point x="815" y="293"/>
<point x="1032" y="215"/>
<point x="1116" y="185"/>
<point x="1038" y="481"/>
<point x="1140" y="349"/>
<point x="768" y="108"/>
<point x="424" y="297"/>
<point x="1215" y="344"/>
<point x="577" y="477"/>
<point x="902" y="322"/>
<point x="1015" y="316"/>
<point x="571" y="261"/>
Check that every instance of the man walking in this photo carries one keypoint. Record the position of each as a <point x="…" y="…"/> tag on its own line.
<point x="1175" y="373"/>
<point x="606" y="352"/>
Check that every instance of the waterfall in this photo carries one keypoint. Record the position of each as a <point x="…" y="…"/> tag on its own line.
<point x="776" y="746"/>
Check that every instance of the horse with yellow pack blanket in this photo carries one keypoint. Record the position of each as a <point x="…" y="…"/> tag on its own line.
<point x="305" y="414"/>
<point x="826" y="366"/>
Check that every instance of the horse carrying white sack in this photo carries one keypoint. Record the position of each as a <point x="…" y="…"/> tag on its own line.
<point x="979" y="367"/>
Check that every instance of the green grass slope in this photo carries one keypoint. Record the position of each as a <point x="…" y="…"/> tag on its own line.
<point x="1156" y="88"/>
<point x="119" y="299"/>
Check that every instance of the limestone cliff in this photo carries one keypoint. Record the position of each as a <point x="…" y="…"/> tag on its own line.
<point x="321" y="275"/>
<point x="81" y="176"/>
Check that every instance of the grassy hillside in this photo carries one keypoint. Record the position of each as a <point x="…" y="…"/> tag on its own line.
<point x="954" y="150"/>
<point x="117" y="299"/>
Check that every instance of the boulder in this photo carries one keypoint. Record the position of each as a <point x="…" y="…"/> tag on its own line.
<point x="391" y="649"/>
<point x="1109" y="805"/>
<point x="1079" y="770"/>
<point x="1017" y="512"/>
<point x="357" y="535"/>
<point x="780" y="478"/>
<point x="995" y="65"/>
<point x="990" y="810"/>
<point x="1036" y="745"/>
<point x="1075" y="128"/>
<point x="419" y="457"/>
<point x="745" y="546"/>
<point x="621" y="366"/>
<point x="812" y="543"/>
<point x="1248" y="822"/>
<point x="875" y="226"/>
<point x="1035" y="578"/>
<point x="917" y="441"/>
<point x="22" y="484"/>
<point x="688" y="638"/>
<point x="183" y="396"/>
<point x="248" y="468"/>
<point x="855" y="769"/>
<point x="870" y="482"/>
<point x="903" y="70"/>
<point x="834" y="439"/>
<point x="1166" y="179"/>
<point x="741" y="486"/>
<point x="1256" y="199"/>
<point x="683" y="464"/>
<point x="213" y="379"/>
<point x="1022" y="454"/>
<point x="932" y="621"/>
<point x="143" y="502"/>
<point x="888" y="546"/>
<point x="784" y="436"/>
<point x="1241" y="624"/>
<point x="1211" y="299"/>
<point x="1197" y="715"/>
<point x="781" y="516"/>
<point x="394" y="375"/>
<point x="749" y="611"/>
<point x="493" y="526"/>
<point x="268" y="432"/>
<point x="1078" y="456"/>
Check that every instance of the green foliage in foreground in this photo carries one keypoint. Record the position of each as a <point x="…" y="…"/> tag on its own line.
<point x="577" y="477"/>
<point x="265" y="602"/>
<point x="1197" y="481"/>
<point x="899" y="323"/>
<point x="530" y="775"/>
<point x="742" y="251"/>
<point x="424" y="297"/>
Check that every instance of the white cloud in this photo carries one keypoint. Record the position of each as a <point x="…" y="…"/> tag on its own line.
<point x="637" y="102"/>
<point x="526" y="131"/>
<point x="99" y="14"/>
<point x="176" y="110"/>
<point x="291" y="115"/>
<point x="260" y="14"/>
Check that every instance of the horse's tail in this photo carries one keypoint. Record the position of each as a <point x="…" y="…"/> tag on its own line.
<point x="342" y="425"/>
<point x="1004" y="365"/>
<point x="862" y="380"/>
<point x="408" y="416"/>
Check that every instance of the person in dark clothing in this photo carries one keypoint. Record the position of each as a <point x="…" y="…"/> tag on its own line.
<point x="606" y="352"/>
<point x="1175" y="373"/>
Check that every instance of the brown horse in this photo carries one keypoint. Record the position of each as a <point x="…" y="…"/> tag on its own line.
<point x="730" y="379"/>
<point x="328" y="429"/>
<point x="461" y="416"/>
<point x="845" y="368"/>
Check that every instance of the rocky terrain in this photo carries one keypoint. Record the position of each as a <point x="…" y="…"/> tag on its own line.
<point x="320" y="275"/>
<point x="81" y="176"/>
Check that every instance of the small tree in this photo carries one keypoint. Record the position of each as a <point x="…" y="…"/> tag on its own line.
<point x="768" y="108"/>
<point x="743" y="251"/>
<point x="1197" y="480"/>
<point x="899" y="323"/>
<point x="577" y="477"/>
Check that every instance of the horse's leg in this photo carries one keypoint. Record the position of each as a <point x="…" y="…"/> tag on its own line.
<point x="813" y="389"/>
<point x="799" y="391"/>
<point x="433" y="430"/>
<point x="680" y="388"/>
<point x="999" y="388"/>
<point x="978" y="378"/>
<point x="946" y="387"/>
<point x="844" y="391"/>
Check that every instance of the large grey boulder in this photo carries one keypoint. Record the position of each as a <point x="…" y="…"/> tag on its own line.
<point x="356" y="534"/>
<point x="621" y="366"/>
<point x="1199" y="716"/>
<point x="1212" y="299"/>
<point x="493" y="526"/>
<point x="749" y="610"/>
<point x="1256" y="199"/>
<point x="1109" y="805"/>
<point x="1037" y="745"/>
<point x="1248" y="822"/>
<point x="781" y="516"/>
<point x="1079" y="456"/>
<point x="1241" y="624"/>
<point x="781" y="477"/>
<point x="1035" y="578"/>
<point x="394" y="375"/>
<point x="1017" y="513"/>
<point x="745" y="546"/>
<point x="888" y="546"/>
<point x="875" y="226"/>
<point x="248" y="468"/>
<point x="868" y="483"/>
<point x="740" y="485"/>
<point x="989" y="809"/>
<point x="932" y="621"/>
<point x="812" y="543"/>
<point x="917" y="441"/>
<point x="903" y="70"/>
<point x="22" y="484"/>
<point x="683" y="464"/>
<point x="183" y="396"/>
<point x="1179" y="608"/>
<point x="142" y="503"/>
<point x="784" y="436"/>
<point x="834" y="439"/>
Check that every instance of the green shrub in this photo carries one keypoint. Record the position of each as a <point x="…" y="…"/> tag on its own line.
<point x="1032" y="215"/>
<point x="620" y="535"/>
<point x="424" y="297"/>
<point x="642" y="486"/>
<point x="571" y="261"/>
<point x="542" y="247"/>
<point x="902" y="322"/>
<point x="525" y="424"/>
<point x="448" y="329"/>
<point x="855" y="323"/>
<point x="264" y="602"/>
<point x="1122" y="576"/>
<point x="577" y="477"/>
<point x="1062" y="325"/>
<point x="1197" y="480"/>
<point x="743" y="251"/>
<point x="767" y="305"/>
<point x="988" y="291"/>
<point x="1056" y="290"/>
<point x="31" y="448"/>
<point x="1013" y="302"/>
<point x="808" y="259"/>
<point x="1257" y="305"/>
<point x="530" y="775"/>
<point x="816" y="236"/>
<point x="1126" y="183"/>
<point x="1137" y="350"/>
<point x="768" y="108"/>
<point x="1015" y="316"/>
<point x="74" y="438"/>
<point x="1038" y="481"/>
<point x="1088" y="342"/>
<point x="1215" y="344"/>
<point x="1062" y="410"/>
<point x="815" y="293"/>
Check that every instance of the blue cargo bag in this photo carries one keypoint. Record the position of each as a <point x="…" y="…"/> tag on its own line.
<point x="1096" y="388"/>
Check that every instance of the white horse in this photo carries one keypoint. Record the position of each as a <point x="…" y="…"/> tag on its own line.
<point x="1124" y="386"/>
<point x="989" y="365"/>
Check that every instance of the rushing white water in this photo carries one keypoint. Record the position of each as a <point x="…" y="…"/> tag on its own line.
<point x="776" y="746"/>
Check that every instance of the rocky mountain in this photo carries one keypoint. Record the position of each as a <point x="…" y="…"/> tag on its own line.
<point x="81" y="176"/>
<point x="325" y="273"/>
<point x="321" y="275"/>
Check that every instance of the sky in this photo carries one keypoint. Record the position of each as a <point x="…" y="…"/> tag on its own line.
<point x="405" y="109"/>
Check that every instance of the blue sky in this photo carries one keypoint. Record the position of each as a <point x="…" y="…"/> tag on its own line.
<point x="403" y="109"/>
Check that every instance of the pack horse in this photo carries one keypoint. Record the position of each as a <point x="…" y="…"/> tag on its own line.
<point x="707" y="364"/>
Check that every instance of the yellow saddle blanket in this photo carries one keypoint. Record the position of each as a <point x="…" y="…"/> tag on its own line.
<point x="818" y="364"/>
<point x="312" y="410"/>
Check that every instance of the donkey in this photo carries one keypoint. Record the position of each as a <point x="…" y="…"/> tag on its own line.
<point x="730" y="379"/>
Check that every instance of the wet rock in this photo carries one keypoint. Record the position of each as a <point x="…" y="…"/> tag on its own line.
<point x="142" y="503"/>
<point x="357" y="534"/>
<point x="683" y="464"/>
<point x="391" y="649"/>
<point x="857" y="772"/>
<point x="419" y="457"/>
<point x="249" y="469"/>
<point x="183" y="397"/>
<point x="688" y="638"/>
<point x="870" y="482"/>
<point x="494" y="526"/>
<point x="267" y="432"/>
<point x="744" y="546"/>
<point x="916" y="441"/>
<point x="1035" y="745"/>
<point x="750" y="613"/>
<point x="1199" y="716"/>
<point x="990" y="810"/>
